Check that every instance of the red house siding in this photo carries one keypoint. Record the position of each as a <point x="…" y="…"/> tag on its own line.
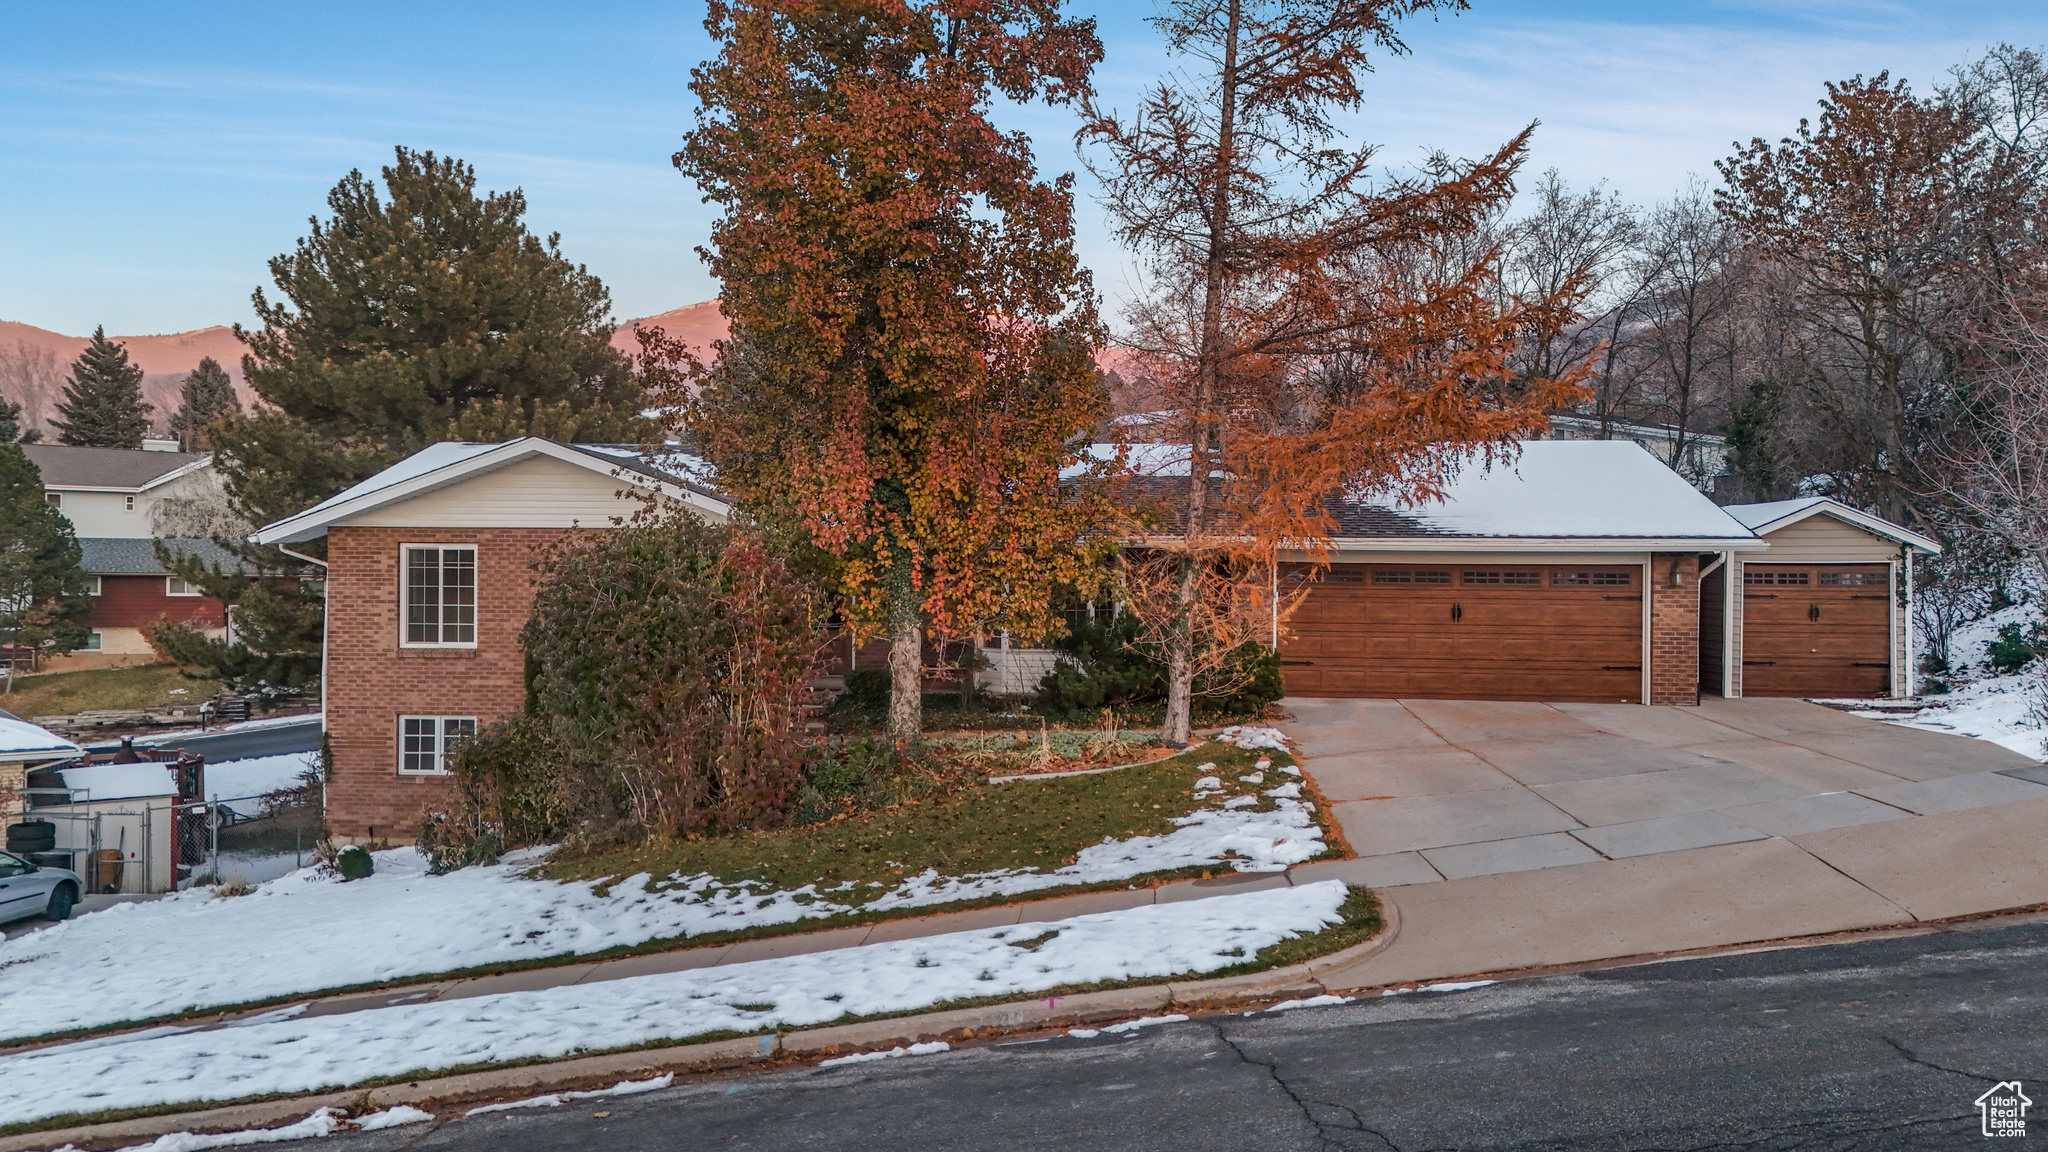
<point x="372" y="680"/>
<point x="136" y="601"/>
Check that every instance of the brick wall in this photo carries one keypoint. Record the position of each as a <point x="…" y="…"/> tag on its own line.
<point x="372" y="681"/>
<point x="1674" y="629"/>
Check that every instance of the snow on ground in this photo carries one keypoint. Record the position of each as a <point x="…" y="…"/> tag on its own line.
<point x="2001" y="709"/>
<point x="285" y="1052"/>
<point x="253" y="867"/>
<point x="249" y="780"/>
<point x="307" y="931"/>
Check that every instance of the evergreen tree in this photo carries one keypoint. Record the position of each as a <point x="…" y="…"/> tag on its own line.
<point x="42" y="591"/>
<point x="278" y="620"/>
<point x="10" y="425"/>
<point x="400" y="316"/>
<point x="102" y="405"/>
<point x="208" y="395"/>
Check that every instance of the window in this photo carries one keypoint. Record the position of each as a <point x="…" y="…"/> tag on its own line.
<point x="1853" y="579"/>
<point x="1344" y="576"/>
<point x="54" y="499"/>
<point x="1411" y="576"/>
<point x="1590" y="579"/>
<point x="92" y="585"/>
<point x="440" y="596"/>
<point x="176" y="586"/>
<point x="130" y="505"/>
<point x="1766" y="576"/>
<point x="426" y="742"/>
<point x="1497" y="576"/>
<point x="92" y="642"/>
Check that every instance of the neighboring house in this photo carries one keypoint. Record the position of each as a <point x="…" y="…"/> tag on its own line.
<point x="118" y="492"/>
<point x="131" y="589"/>
<point x="23" y="749"/>
<point x="1702" y="461"/>
<point x="429" y="581"/>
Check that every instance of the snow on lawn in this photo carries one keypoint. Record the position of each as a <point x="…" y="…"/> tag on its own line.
<point x="249" y="780"/>
<point x="281" y="1052"/>
<point x="307" y="931"/>
<point x="2000" y="709"/>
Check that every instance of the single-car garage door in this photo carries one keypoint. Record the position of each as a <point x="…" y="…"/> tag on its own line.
<point x="1816" y="629"/>
<point x="1478" y="632"/>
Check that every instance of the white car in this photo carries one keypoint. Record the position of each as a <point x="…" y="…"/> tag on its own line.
<point x="32" y="890"/>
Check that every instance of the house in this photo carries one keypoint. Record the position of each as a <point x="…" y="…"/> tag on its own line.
<point x="25" y="748"/>
<point x="1828" y="611"/>
<point x="119" y="493"/>
<point x="118" y="500"/>
<point x="1703" y="460"/>
<point x="429" y="582"/>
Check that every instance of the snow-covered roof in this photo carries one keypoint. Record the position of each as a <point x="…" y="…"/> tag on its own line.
<point x="452" y="462"/>
<point x="120" y="781"/>
<point x="1599" y="495"/>
<point x="1763" y="519"/>
<point x="21" y="741"/>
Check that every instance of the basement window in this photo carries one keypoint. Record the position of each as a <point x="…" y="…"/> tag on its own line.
<point x="1853" y="580"/>
<point x="426" y="742"/>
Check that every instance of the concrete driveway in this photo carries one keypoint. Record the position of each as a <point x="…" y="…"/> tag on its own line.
<point x="1430" y="790"/>
<point x="1518" y="834"/>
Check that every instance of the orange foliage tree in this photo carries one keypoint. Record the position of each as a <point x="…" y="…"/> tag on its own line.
<point x="910" y="367"/>
<point x="1319" y="334"/>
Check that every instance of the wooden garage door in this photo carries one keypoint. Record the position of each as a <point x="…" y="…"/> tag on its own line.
<point x="1816" y="629"/>
<point x="1471" y="632"/>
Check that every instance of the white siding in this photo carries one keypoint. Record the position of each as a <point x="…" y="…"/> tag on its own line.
<point x="538" y="492"/>
<point x="105" y="515"/>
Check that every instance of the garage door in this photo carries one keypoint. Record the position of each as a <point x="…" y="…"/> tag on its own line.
<point x="1536" y="632"/>
<point x="1816" y="629"/>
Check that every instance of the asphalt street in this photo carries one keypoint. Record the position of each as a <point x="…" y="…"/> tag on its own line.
<point x="1875" y="1044"/>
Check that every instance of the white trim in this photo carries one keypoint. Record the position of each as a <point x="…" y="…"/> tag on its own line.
<point x="1649" y="649"/>
<point x="1731" y="661"/>
<point x="1911" y="663"/>
<point x="315" y="521"/>
<point x="1620" y="544"/>
<point x="1891" y="625"/>
<point x="1840" y="511"/>
<point x="92" y="584"/>
<point x="405" y="602"/>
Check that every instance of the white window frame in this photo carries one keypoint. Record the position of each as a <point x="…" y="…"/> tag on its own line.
<point x="54" y="500"/>
<point x="92" y="585"/>
<point x="130" y="505"/>
<point x="173" y="583"/>
<point x="405" y="639"/>
<point x="430" y="737"/>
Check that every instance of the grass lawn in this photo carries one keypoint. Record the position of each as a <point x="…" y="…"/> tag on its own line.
<point x="976" y="828"/>
<point x="140" y="686"/>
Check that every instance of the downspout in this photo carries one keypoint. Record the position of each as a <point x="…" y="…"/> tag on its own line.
<point x="1731" y="600"/>
<point x="1911" y="669"/>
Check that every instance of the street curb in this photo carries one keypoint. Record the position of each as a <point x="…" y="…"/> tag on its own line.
<point x="600" y="1071"/>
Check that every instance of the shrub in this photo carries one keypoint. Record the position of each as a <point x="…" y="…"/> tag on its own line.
<point x="353" y="863"/>
<point x="1107" y="663"/>
<point x="867" y="689"/>
<point x="514" y="785"/>
<point x="670" y="661"/>
<point x="2012" y="650"/>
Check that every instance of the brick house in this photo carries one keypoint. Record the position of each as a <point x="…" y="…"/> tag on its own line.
<point x="429" y="582"/>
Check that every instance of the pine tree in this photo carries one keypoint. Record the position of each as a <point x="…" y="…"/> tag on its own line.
<point x="405" y="313"/>
<point x="10" y="425"/>
<point x="42" y="591"/>
<point x="208" y="395"/>
<point x="102" y="405"/>
<point x="279" y="621"/>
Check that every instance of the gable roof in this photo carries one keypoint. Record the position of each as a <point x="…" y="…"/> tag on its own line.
<point x="675" y="475"/>
<point x="1763" y="519"/>
<point x="110" y="469"/>
<point x="109" y="556"/>
<point x="1585" y="495"/>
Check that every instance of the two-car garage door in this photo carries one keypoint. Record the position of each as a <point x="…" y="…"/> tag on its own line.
<point x="1477" y="632"/>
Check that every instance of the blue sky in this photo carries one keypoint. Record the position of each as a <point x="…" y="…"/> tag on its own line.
<point x="154" y="156"/>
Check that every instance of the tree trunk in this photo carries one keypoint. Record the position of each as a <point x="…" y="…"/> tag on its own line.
<point x="906" y="664"/>
<point x="1180" y="665"/>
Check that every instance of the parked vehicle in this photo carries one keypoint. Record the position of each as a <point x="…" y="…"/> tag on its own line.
<point x="29" y="889"/>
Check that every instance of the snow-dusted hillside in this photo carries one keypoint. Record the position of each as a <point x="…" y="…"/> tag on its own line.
<point x="2001" y="709"/>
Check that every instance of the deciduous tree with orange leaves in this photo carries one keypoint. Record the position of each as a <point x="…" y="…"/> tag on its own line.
<point x="910" y="367"/>
<point x="1320" y="331"/>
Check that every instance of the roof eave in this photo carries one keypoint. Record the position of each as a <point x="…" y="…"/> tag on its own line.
<point x="1840" y="511"/>
<point x="1548" y="544"/>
